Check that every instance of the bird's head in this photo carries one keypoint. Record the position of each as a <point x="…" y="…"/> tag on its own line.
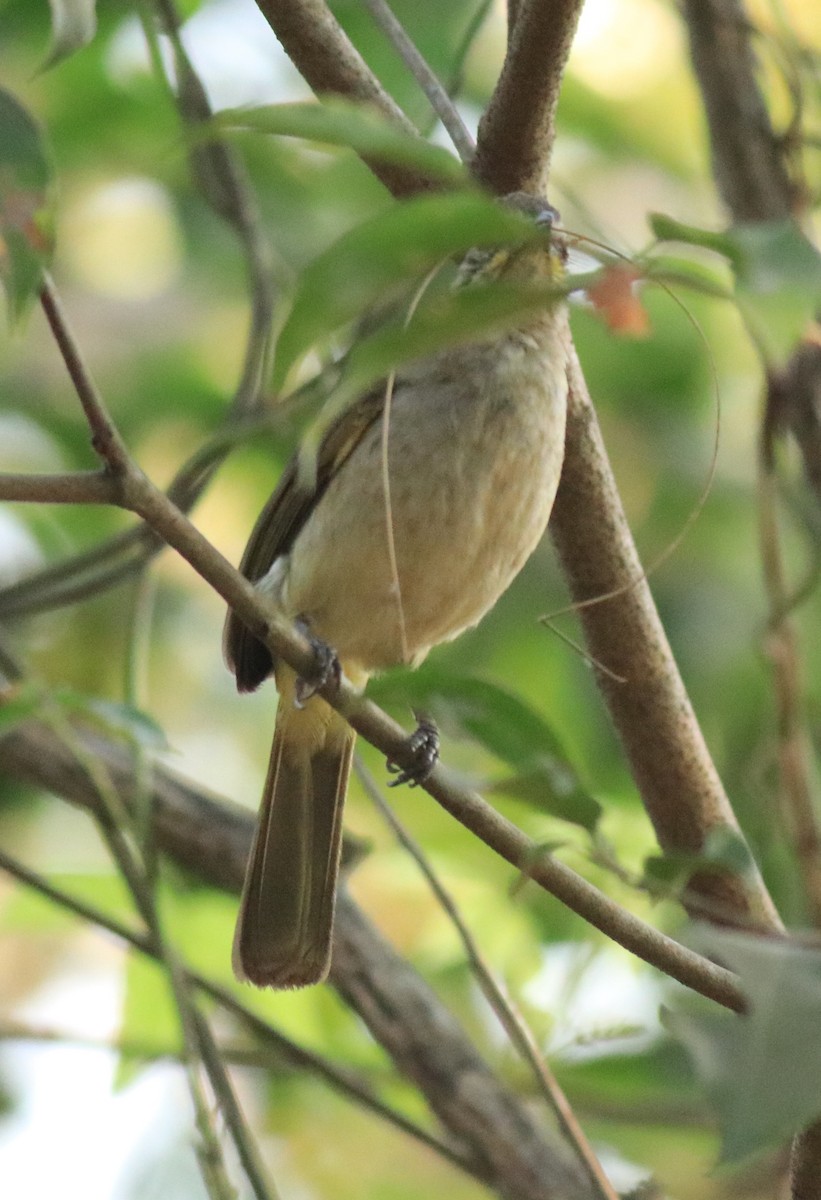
<point x="542" y="257"/>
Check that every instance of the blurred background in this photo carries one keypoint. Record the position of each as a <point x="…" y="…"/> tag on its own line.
<point x="157" y="293"/>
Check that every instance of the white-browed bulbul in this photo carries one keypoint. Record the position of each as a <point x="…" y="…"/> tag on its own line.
<point x="473" y="454"/>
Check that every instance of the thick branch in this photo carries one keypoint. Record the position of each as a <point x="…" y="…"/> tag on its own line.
<point x="748" y="160"/>
<point x="468" y="808"/>
<point x="329" y="63"/>
<point x="651" y="711"/>
<point x="752" y="176"/>
<point x="517" y="130"/>
<point x="212" y="839"/>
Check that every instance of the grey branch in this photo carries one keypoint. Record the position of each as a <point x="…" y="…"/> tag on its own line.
<point x="517" y="130"/>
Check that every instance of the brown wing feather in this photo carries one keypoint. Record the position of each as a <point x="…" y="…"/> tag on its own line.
<point x="279" y="524"/>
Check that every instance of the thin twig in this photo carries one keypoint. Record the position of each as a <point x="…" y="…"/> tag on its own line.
<point x="233" y="1115"/>
<point x="112" y="820"/>
<point x="223" y="181"/>
<point x="438" y="98"/>
<point x="142" y="497"/>
<point x="798" y="786"/>
<point x="511" y="1019"/>
<point x="104" y="437"/>
<point x="343" y="1081"/>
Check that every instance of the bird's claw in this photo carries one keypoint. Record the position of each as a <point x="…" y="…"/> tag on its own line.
<point x="422" y="749"/>
<point x="326" y="670"/>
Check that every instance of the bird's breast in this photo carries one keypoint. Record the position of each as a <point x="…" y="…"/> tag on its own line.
<point x="438" y="508"/>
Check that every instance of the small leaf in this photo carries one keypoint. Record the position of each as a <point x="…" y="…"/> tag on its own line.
<point x="613" y="296"/>
<point x="778" y="283"/>
<point x="666" y="229"/>
<point x="26" y="205"/>
<point x="725" y="849"/>
<point x="761" y="1070"/>
<point x="372" y="262"/>
<point x="777" y="276"/>
<point x="337" y="122"/>
<point x="553" y="788"/>
<point x="122" y="720"/>
<point x="73" y="25"/>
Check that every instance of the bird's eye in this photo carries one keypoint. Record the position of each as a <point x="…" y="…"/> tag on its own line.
<point x="548" y="217"/>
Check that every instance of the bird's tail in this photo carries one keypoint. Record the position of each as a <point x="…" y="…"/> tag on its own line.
<point x="285" y="925"/>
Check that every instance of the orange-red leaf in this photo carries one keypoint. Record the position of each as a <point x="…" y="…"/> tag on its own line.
<point x="614" y="297"/>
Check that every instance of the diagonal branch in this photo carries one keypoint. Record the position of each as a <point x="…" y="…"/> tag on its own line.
<point x="329" y="63"/>
<point x="437" y="97"/>
<point x="273" y="1044"/>
<point x="651" y="711"/>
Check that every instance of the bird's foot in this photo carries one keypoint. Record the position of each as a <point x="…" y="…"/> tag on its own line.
<point x="422" y="749"/>
<point x="326" y="668"/>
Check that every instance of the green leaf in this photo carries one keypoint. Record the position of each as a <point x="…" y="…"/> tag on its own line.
<point x="372" y="262"/>
<point x="725" y="849"/>
<point x="513" y="732"/>
<point x="666" y="229"/>
<point x="762" y="1071"/>
<point x="778" y="283"/>
<point x="459" y="317"/>
<point x="26" y="205"/>
<point x="122" y="720"/>
<point x="337" y="122"/>
<point x="777" y="276"/>
<point x="73" y="25"/>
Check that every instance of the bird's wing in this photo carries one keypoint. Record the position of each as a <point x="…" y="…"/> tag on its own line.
<point x="280" y="521"/>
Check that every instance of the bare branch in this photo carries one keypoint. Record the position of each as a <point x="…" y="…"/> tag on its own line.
<point x="798" y="783"/>
<point x="519" y="1034"/>
<point x="104" y="437"/>
<point x="280" y="1047"/>
<point x="80" y="487"/>
<point x="517" y="130"/>
<point x="330" y="64"/>
<point x="748" y="158"/>
<point x="651" y="711"/>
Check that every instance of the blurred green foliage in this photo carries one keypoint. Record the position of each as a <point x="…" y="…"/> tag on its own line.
<point x="156" y="287"/>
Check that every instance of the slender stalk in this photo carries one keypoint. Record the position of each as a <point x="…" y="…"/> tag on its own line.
<point x="512" y="1021"/>
<point x="343" y="1081"/>
<point x="438" y="98"/>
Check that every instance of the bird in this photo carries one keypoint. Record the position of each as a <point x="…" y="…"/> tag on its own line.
<point x="471" y="442"/>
